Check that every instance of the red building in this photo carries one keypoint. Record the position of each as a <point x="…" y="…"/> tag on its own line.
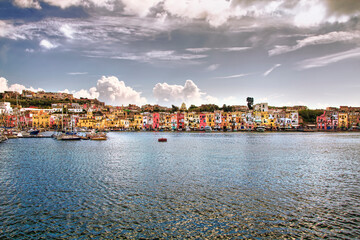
<point x="180" y="121"/>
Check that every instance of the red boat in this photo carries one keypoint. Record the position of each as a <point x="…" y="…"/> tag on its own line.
<point x="162" y="140"/>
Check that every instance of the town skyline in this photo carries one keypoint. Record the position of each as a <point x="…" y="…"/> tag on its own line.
<point x="199" y="52"/>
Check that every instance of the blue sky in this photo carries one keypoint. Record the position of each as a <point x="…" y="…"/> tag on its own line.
<point x="283" y="52"/>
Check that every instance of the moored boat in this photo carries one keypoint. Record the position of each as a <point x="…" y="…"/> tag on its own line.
<point x="69" y="137"/>
<point x="97" y="136"/>
<point x="260" y="129"/>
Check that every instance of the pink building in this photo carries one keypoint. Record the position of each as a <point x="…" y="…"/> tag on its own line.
<point x="202" y="121"/>
<point x="174" y="121"/>
<point x="327" y="121"/>
<point x="156" y="121"/>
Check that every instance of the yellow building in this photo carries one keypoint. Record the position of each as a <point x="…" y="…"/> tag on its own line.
<point x="210" y="120"/>
<point x="87" y="122"/>
<point x="167" y="123"/>
<point x="343" y="120"/>
<point x="196" y="124"/>
<point x="40" y="120"/>
<point x="124" y="123"/>
<point x="100" y="122"/>
<point x="137" y="122"/>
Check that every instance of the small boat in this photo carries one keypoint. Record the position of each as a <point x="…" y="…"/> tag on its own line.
<point x="260" y="129"/>
<point x="70" y="137"/>
<point x="208" y="129"/>
<point x="162" y="140"/>
<point x="34" y="132"/>
<point x="98" y="136"/>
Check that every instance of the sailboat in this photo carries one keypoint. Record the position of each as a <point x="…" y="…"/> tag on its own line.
<point x="68" y="136"/>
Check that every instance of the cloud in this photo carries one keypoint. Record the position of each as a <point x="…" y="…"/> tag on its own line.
<point x="140" y="8"/>
<point x="190" y="93"/>
<point x="302" y="13"/>
<point x="331" y="37"/>
<point x="15" y="87"/>
<point x="343" y="7"/>
<point x="115" y="92"/>
<point x="328" y="59"/>
<point x="271" y="69"/>
<point x="228" y="49"/>
<point x="47" y="44"/>
<point x="152" y="56"/>
<point x="91" y="93"/>
<point x="234" y="76"/>
<point x="67" y="30"/>
<point x="212" y="67"/>
<point x="27" y="4"/>
<point x="77" y="73"/>
<point x="29" y="50"/>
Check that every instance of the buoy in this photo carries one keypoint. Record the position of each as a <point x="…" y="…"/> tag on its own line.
<point x="162" y="140"/>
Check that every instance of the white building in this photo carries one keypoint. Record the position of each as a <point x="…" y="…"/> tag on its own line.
<point x="5" y="108"/>
<point x="262" y="107"/>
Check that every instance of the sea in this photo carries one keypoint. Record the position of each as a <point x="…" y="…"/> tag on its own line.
<point x="242" y="185"/>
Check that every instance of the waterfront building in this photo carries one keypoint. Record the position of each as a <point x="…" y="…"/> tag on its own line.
<point x="87" y="122"/>
<point x="156" y="121"/>
<point x="40" y="120"/>
<point x="210" y="120"/>
<point x="261" y="107"/>
<point x="180" y="121"/>
<point x="138" y="122"/>
<point x="343" y="120"/>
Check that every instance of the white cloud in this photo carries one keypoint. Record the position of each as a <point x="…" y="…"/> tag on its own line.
<point x="190" y="93"/>
<point x="160" y="56"/>
<point x="111" y="91"/>
<point x="115" y="92"/>
<point x="15" y="87"/>
<point x="141" y="8"/>
<point x="198" y="50"/>
<point x="271" y="69"/>
<point x="7" y="30"/>
<point x="47" y="44"/>
<point x="234" y="76"/>
<point x="328" y="59"/>
<point x="309" y="13"/>
<point x="63" y="3"/>
<point x="228" y="49"/>
<point x="67" y="30"/>
<point x="27" y="4"/>
<point x="213" y="67"/>
<point x="91" y="93"/>
<point x="331" y="37"/>
<point x="29" y="50"/>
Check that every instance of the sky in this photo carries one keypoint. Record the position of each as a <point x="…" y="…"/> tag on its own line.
<point x="284" y="52"/>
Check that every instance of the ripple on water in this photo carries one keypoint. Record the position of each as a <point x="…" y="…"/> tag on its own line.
<point x="243" y="185"/>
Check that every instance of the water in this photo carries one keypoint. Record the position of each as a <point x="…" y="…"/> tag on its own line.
<point x="197" y="185"/>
